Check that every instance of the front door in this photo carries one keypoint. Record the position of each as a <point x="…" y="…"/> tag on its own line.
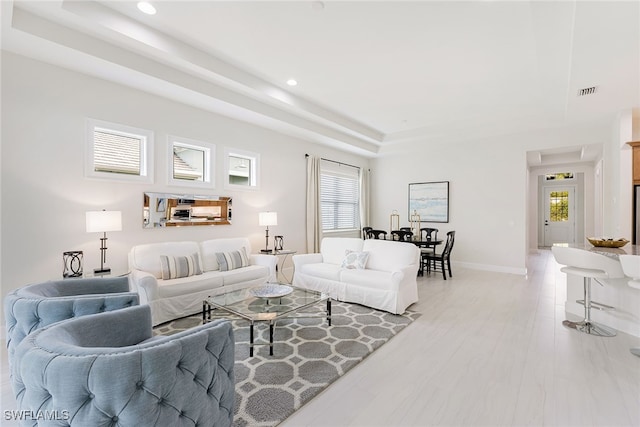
<point x="559" y="215"/>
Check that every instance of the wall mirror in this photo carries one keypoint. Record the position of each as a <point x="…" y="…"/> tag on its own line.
<point x="176" y="210"/>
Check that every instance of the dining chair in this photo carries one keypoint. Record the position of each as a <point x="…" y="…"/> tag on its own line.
<point x="377" y="234"/>
<point x="401" y="235"/>
<point x="442" y="260"/>
<point x="428" y="233"/>
<point x="365" y="232"/>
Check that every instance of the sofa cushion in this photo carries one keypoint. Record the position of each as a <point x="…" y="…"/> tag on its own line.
<point x="208" y="249"/>
<point x="322" y="270"/>
<point x="189" y="285"/>
<point x="388" y="255"/>
<point x="232" y="260"/>
<point x="373" y="279"/>
<point x="174" y="267"/>
<point x="355" y="260"/>
<point x="333" y="249"/>
<point x="147" y="257"/>
<point x="245" y="274"/>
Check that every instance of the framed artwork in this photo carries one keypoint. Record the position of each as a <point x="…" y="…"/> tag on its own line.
<point x="430" y="200"/>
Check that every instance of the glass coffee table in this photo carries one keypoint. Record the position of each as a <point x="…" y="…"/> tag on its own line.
<point x="268" y="303"/>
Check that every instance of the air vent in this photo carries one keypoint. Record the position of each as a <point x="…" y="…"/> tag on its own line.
<point x="587" y="91"/>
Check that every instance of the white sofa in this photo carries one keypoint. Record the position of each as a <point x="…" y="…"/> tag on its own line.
<point x="174" y="298"/>
<point x="388" y="281"/>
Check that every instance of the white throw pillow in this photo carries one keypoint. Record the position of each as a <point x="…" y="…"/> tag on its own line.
<point x="355" y="260"/>
<point x="174" y="267"/>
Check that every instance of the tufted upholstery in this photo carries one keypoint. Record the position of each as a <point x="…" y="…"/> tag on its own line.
<point x="32" y="307"/>
<point x="106" y="369"/>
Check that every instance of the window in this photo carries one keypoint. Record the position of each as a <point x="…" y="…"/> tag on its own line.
<point x="339" y="196"/>
<point x="241" y="169"/>
<point x="190" y="162"/>
<point x="118" y="152"/>
<point x="558" y="176"/>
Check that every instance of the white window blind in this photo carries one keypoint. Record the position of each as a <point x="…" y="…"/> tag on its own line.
<point x="116" y="152"/>
<point x="339" y="196"/>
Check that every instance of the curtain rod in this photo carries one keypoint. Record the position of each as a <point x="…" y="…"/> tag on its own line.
<point x="334" y="161"/>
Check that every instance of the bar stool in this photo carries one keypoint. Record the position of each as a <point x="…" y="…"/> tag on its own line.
<point x="588" y="265"/>
<point x="631" y="268"/>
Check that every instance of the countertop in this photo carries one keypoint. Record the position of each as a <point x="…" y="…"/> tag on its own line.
<point x="627" y="249"/>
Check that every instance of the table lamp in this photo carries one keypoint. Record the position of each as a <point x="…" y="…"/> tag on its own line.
<point x="267" y="219"/>
<point x="101" y="222"/>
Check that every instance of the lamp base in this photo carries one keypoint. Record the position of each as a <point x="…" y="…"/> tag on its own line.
<point x="266" y="251"/>
<point x="102" y="271"/>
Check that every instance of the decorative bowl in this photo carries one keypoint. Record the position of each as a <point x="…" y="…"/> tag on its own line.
<point x="607" y="243"/>
<point x="271" y="290"/>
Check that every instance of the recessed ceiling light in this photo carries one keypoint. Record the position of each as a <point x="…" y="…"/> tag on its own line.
<point x="146" y="7"/>
<point x="292" y="82"/>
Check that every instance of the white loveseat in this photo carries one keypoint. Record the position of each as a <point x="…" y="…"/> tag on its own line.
<point x="178" y="297"/>
<point x="387" y="281"/>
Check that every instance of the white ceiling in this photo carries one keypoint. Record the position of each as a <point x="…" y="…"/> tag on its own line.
<point x="369" y="73"/>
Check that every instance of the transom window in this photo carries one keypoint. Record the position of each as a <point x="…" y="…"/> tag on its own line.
<point x="190" y="162"/>
<point x="119" y="152"/>
<point x="558" y="176"/>
<point x="241" y="169"/>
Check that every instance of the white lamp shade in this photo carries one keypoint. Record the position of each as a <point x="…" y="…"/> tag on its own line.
<point x="268" y="218"/>
<point x="102" y="221"/>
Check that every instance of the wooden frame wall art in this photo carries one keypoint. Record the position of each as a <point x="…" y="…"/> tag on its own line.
<point x="430" y="200"/>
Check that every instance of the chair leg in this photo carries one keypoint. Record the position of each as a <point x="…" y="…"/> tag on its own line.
<point x="449" y="267"/>
<point x="587" y="326"/>
<point x="444" y="271"/>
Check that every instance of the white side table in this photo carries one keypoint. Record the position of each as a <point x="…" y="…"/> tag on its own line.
<point x="282" y="255"/>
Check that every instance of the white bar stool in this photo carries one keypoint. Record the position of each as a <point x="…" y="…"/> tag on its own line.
<point x="631" y="267"/>
<point x="588" y="265"/>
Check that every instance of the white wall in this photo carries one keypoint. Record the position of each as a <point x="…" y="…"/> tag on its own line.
<point x="45" y="195"/>
<point x="488" y="189"/>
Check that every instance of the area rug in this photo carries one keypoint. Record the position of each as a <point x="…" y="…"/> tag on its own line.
<point x="308" y="356"/>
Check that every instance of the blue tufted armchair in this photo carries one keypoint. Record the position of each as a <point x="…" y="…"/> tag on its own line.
<point x="108" y="369"/>
<point x="34" y="306"/>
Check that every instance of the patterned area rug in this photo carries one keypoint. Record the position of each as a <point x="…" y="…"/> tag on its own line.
<point x="308" y="356"/>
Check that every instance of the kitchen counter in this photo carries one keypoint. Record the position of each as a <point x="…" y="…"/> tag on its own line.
<point x="614" y="292"/>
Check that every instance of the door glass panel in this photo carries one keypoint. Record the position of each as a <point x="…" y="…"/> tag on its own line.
<point x="559" y="206"/>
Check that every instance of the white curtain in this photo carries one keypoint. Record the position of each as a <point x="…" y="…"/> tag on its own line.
<point x="314" y="218"/>
<point x="364" y="198"/>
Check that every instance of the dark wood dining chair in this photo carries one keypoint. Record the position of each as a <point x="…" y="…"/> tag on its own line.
<point x="365" y="232"/>
<point x="442" y="260"/>
<point x="377" y="234"/>
<point x="401" y="235"/>
<point x="427" y="234"/>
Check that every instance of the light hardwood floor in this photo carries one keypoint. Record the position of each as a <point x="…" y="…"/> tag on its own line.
<point x="488" y="350"/>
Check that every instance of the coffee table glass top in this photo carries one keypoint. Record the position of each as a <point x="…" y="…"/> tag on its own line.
<point x="243" y="303"/>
